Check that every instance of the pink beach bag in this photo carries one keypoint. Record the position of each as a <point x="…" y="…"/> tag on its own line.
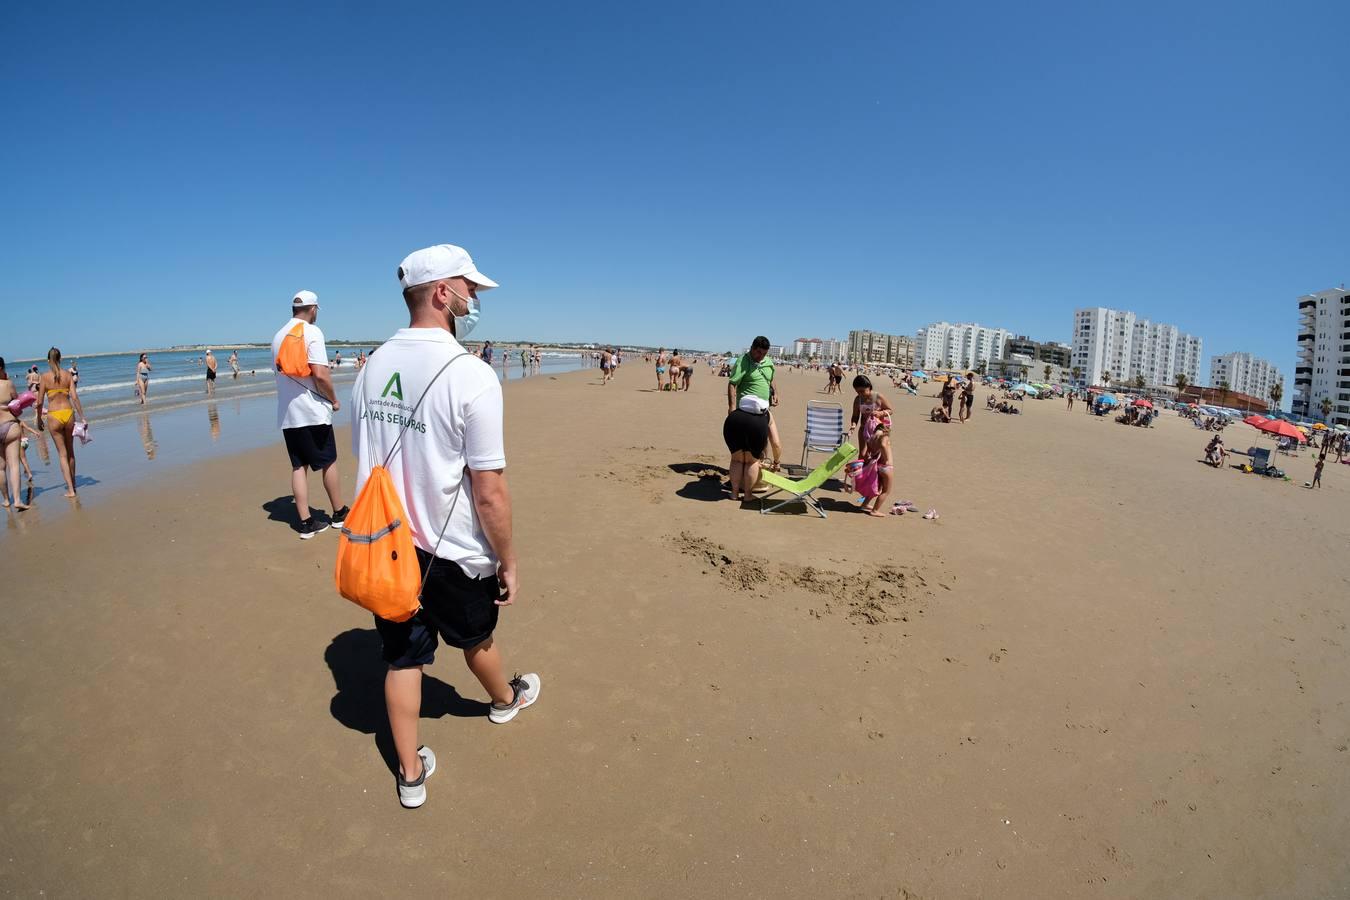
<point x="866" y="481"/>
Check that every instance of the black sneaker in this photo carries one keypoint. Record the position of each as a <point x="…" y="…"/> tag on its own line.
<point x="311" y="527"/>
<point x="339" y="517"/>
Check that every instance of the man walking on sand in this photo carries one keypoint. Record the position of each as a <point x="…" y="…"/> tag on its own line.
<point x="305" y="407"/>
<point x="434" y="412"/>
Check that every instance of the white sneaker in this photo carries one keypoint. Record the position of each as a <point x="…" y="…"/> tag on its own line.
<point x="526" y="688"/>
<point x="414" y="794"/>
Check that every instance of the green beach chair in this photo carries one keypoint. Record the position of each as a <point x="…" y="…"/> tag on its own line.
<point x="802" y="490"/>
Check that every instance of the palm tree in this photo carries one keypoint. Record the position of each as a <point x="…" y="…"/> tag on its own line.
<point x="1139" y="381"/>
<point x="1276" y="394"/>
<point x="1077" y="374"/>
<point x="1326" y="408"/>
<point x="1046" y="370"/>
<point x="1106" y="378"/>
<point x="980" y="369"/>
<point x="1223" y="390"/>
<point x="1023" y="371"/>
<point x="1182" y="382"/>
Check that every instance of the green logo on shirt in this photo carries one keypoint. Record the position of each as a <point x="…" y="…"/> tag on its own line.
<point x="395" y="387"/>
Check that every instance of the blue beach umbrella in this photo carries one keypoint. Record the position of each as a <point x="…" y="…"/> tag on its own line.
<point x="1108" y="400"/>
<point x="1026" y="389"/>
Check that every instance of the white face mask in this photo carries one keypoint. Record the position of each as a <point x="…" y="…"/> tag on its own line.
<point x="465" y="323"/>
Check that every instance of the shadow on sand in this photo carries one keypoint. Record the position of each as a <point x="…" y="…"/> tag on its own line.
<point x="709" y="482"/>
<point x="358" y="674"/>
<point x="282" y="509"/>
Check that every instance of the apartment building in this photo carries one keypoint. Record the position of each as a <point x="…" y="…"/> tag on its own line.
<point x="1245" y="374"/>
<point x="1118" y="343"/>
<point x="1323" y="368"/>
<point x="961" y="346"/>
<point x="873" y="347"/>
<point x="1055" y="354"/>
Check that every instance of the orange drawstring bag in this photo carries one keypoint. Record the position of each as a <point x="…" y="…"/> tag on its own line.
<point x="292" y="359"/>
<point x="377" y="566"/>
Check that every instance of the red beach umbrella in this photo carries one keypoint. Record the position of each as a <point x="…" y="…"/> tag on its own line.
<point x="1283" y="429"/>
<point x="1145" y="403"/>
<point x="1254" y="419"/>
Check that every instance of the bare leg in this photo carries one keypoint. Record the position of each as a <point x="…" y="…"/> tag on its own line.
<point x="65" y="455"/>
<point x="774" y="445"/>
<point x="9" y="469"/>
<point x="333" y="486"/>
<point x="300" y="489"/>
<point x="403" y="700"/>
<point x="737" y="469"/>
<point x="884" y="485"/>
<point x="485" y="662"/>
<point x="751" y="477"/>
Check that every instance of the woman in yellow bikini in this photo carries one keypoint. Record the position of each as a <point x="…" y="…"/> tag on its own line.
<point x="59" y="403"/>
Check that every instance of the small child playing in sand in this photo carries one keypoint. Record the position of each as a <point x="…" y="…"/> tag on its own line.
<point x="878" y="450"/>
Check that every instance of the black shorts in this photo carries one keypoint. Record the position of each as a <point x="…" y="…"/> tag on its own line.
<point x="311" y="445"/>
<point x="746" y="432"/>
<point x="456" y="608"/>
<point x="210" y="374"/>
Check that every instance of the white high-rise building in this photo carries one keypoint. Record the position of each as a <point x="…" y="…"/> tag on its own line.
<point x="1245" y="374"/>
<point x="820" y="349"/>
<point x="963" y="346"/>
<point x="1323" y="368"/>
<point x="1119" y="343"/>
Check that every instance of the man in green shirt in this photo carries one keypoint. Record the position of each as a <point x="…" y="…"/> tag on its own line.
<point x="750" y="425"/>
<point x="752" y="374"/>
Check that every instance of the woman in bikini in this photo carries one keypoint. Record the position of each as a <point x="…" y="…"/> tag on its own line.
<point x="866" y="406"/>
<point x="59" y="402"/>
<point x="11" y="431"/>
<point x="142" y="377"/>
<point x="660" y="367"/>
<point x="967" y="397"/>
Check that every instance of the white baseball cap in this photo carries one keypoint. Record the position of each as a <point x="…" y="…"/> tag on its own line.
<point x="305" y="298"/>
<point x="440" y="262"/>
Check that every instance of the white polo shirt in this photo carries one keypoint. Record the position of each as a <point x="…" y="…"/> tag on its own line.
<point x="457" y="426"/>
<point x="299" y="402"/>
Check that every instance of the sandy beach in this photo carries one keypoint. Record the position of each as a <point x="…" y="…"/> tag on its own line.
<point x="1107" y="670"/>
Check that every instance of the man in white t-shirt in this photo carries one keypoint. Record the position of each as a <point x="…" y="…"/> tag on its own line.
<point x="431" y="413"/>
<point x="305" y="407"/>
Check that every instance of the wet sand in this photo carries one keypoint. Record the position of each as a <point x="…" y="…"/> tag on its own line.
<point x="1106" y="671"/>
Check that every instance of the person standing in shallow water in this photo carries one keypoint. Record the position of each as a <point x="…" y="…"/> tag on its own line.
<point x="210" y="373"/>
<point x="11" y="453"/>
<point x="143" y="368"/>
<point x="59" y="404"/>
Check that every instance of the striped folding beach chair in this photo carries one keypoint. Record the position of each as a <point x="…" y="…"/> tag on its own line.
<point x="825" y="431"/>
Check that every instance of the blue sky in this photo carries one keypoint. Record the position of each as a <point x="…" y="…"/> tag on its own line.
<point x="677" y="174"/>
